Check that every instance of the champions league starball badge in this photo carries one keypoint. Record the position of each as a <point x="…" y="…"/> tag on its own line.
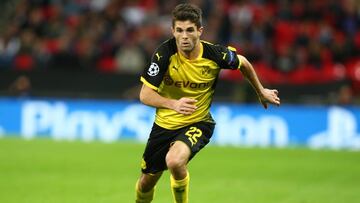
<point x="153" y="69"/>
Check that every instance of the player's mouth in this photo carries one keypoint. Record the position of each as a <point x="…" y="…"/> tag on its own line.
<point x="185" y="44"/>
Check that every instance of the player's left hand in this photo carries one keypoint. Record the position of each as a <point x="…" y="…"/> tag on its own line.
<point x="269" y="96"/>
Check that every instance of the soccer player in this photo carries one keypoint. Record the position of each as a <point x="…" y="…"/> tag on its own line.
<point x="180" y="83"/>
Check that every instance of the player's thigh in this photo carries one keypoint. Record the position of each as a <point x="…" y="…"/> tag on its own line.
<point x="178" y="154"/>
<point x="196" y="136"/>
<point x="156" y="149"/>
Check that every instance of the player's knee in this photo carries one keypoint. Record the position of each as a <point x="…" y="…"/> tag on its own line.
<point x="143" y="185"/>
<point x="174" y="162"/>
<point x="148" y="182"/>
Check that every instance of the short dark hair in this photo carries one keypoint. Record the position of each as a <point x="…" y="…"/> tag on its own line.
<point x="184" y="12"/>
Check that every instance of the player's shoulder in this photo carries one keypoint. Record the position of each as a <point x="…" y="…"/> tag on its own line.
<point x="225" y="57"/>
<point x="168" y="47"/>
<point x="208" y="46"/>
<point x="215" y="52"/>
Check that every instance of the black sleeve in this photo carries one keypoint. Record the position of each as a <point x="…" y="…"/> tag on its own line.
<point x="225" y="57"/>
<point x="154" y="73"/>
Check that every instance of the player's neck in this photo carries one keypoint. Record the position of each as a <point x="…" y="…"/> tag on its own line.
<point x="193" y="54"/>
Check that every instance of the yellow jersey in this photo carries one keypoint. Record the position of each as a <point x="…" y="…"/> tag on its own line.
<point x="174" y="76"/>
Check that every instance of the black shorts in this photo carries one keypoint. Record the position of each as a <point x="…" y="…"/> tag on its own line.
<point x="196" y="136"/>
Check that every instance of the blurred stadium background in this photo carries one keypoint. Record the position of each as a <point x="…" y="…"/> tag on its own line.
<point x="309" y="50"/>
<point x="69" y="72"/>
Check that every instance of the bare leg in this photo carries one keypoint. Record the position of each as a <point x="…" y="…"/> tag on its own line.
<point x="145" y="187"/>
<point x="148" y="181"/>
<point x="176" y="161"/>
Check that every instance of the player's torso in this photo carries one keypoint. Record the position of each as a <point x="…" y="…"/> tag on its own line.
<point x="188" y="78"/>
<point x="173" y="76"/>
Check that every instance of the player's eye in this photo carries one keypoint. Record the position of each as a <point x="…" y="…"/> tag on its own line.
<point x="190" y="29"/>
<point x="179" y="30"/>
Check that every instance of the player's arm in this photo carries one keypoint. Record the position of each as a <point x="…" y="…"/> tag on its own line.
<point x="152" y="78"/>
<point x="265" y="95"/>
<point x="150" y="97"/>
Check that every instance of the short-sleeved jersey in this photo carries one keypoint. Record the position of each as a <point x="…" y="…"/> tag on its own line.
<point x="174" y="76"/>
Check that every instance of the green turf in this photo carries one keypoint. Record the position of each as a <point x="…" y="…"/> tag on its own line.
<point x="46" y="171"/>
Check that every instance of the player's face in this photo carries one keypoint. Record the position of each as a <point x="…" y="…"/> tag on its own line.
<point x="187" y="35"/>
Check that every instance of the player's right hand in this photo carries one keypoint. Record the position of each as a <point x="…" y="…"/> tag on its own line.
<point x="185" y="106"/>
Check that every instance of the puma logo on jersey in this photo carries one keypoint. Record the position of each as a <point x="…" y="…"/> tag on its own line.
<point x="175" y="68"/>
<point x="158" y="56"/>
<point x="224" y="55"/>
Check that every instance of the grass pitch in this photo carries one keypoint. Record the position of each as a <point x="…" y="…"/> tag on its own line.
<point x="43" y="170"/>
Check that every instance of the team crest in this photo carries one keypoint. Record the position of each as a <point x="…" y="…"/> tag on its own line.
<point x="153" y="69"/>
<point x="205" y="70"/>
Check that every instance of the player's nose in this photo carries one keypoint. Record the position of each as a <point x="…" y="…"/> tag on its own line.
<point x="184" y="35"/>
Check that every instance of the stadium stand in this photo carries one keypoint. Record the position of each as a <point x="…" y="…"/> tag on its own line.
<point x="292" y="44"/>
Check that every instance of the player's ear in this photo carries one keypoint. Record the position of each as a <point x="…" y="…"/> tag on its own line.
<point x="173" y="31"/>
<point x="200" y="30"/>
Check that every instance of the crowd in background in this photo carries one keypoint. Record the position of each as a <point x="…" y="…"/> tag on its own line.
<point x="118" y="36"/>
